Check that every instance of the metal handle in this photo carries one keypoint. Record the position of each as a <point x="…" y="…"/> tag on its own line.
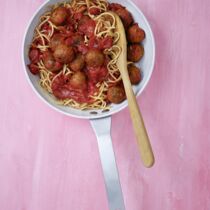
<point x="102" y="129"/>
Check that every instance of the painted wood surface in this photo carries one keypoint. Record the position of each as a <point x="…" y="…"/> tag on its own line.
<point x="50" y="162"/>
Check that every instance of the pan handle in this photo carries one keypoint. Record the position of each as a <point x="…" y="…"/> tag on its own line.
<point x="102" y="128"/>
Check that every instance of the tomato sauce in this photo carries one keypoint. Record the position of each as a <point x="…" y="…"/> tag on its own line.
<point x="73" y="37"/>
<point x="63" y="90"/>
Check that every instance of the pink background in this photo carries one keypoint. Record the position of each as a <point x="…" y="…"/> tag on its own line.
<point x="49" y="161"/>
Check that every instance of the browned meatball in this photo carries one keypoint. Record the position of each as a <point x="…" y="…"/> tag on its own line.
<point x="135" y="52"/>
<point x="84" y="20"/>
<point x="56" y="40"/>
<point x="59" y="15"/>
<point x="116" y="94"/>
<point x="135" y="34"/>
<point x="125" y="16"/>
<point x="34" y="55"/>
<point x="50" y="63"/>
<point x="78" y="63"/>
<point x="74" y="40"/>
<point x="78" y="80"/>
<point x="134" y="74"/>
<point x="77" y="39"/>
<point x="115" y="6"/>
<point x="86" y="26"/>
<point x="94" y="58"/>
<point x="64" y="53"/>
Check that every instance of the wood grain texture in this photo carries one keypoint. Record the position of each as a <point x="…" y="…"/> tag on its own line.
<point x="50" y="162"/>
<point x="141" y="135"/>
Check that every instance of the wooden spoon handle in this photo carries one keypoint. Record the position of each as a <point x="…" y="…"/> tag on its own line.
<point x="138" y="124"/>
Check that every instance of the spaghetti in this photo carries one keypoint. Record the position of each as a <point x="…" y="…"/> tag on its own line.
<point x="97" y="38"/>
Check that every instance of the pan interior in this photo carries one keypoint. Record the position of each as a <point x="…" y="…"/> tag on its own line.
<point x="146" y="64"/>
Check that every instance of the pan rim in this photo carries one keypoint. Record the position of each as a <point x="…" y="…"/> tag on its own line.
<point x="124" y="104"/>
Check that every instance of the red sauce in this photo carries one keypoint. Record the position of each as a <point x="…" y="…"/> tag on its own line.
<point x="87" y="27"/>
<point x="33" y="68"/>
<point x="105" y="43"/>
<point x="97" y="74"/>
<point x="75" y="39"/>
<point x="62" y="90"/>
<point x="73" y="29"/>
<point x="94" y="11"/>
<point x="82" y="48"/>
<point x="34" y="55"/>
<point x="77" y="16"/>
<point x="101" y="44"/>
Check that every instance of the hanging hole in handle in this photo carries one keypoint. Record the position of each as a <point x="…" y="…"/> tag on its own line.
<point x="106" y="110"/>
<point x="95" y="113"/>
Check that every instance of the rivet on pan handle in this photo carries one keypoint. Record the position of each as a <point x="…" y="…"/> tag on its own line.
<point x="102" y="129"/>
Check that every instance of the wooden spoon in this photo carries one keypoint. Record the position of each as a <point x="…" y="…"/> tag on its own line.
<point x="136" y="117"/>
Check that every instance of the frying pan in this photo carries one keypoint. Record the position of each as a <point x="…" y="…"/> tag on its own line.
<point x="100" y="120"/>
